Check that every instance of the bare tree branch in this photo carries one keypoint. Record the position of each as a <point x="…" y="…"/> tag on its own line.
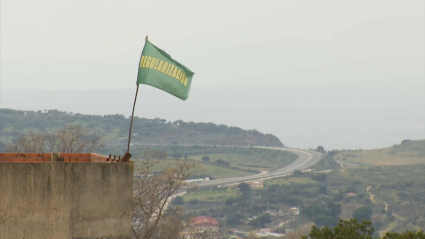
<point x="70" y="139"/>
<point x="160" y="180"/>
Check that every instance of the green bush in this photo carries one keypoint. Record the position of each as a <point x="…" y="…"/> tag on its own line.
<point x="363" y="213"/>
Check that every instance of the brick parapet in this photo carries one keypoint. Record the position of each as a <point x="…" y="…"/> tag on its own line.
<point x="63" y="157"/>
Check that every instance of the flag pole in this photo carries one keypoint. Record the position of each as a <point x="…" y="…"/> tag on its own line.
<point x="127" y="154"/>
<point x="131" y="123"/>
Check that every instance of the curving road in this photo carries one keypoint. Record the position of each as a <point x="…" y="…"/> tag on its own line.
<point x="306" y="158"/>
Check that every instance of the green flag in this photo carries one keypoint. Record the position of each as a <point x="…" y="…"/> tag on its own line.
<point x="158" y="69"/>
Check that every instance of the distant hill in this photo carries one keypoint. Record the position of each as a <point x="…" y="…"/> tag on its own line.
<point x="146" y="131"/>
<point x="407" y="152"/>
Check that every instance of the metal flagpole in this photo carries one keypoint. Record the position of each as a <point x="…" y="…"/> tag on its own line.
<point x="127" y="154"/>
<point x="131" y="123"/>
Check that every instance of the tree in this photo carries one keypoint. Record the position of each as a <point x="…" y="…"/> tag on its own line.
<point x="325" y="220"/>
<point x="263" y="219"/>
<point x="152" y="218"/>
<point x="323" y="189"/>
<point x="205" y="158"/>
<point x="298" y="173"/>
<point x="363" y="213"/>
<point x="319" y="176"/>
<point x="177" y="155"/>
<point x="75" y="138"/>
<point x="351" y="189"/>
<point x="255" y="223"/>
<point x="312" y="210"/>
<point x="234" y="219"/>
<point x="229" y="201"/>
<point x="33" y="142"/>
<point x="177" y="201"/>
<point x="333" y="209"/>
<point x="406" y="141"/>
<point x="350" y="229"/>
<point x="69" y="139"/>
<point x="222" y="162"/>
<point x="320" y="149"/>
<point x="405" y="235"/>
<point x="244" y="187"/>
<point x="302" y="230"/>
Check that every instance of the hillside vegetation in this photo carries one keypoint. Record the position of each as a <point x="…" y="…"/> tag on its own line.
<point x="395" y="203"/>
<point x="407" y="152"/>
<point x="222" y="162"/>
<point x="391" y="196"/>
<point x="145" y="131"/>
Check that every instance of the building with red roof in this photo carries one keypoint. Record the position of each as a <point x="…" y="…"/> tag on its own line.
<point x="205" y="223"/>
<point x="351" y="195"/>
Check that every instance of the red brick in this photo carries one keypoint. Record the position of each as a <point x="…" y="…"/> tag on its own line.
<point x="75" y="155"/>
<point x="4" y="159"/>
<point x="17" y="160"/>
<point x="85" y="155"/>
<point x="33" y="160"/>
<point x="48" y="156"/>
<point x="9" y="155"/>
<point x="83" y="160"/>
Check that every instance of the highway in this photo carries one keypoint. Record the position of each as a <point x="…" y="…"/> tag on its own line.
<point x="306" y="158"/>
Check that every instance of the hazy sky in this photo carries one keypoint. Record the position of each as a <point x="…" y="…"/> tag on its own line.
<point x="345" y="51"/>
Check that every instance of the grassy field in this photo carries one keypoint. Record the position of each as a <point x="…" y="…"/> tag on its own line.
<point x="225" y="162"/>
<point x="211" y="196"/>
<point x="214" y="171"/>
<point x="403" y="154"/>
<point x="223" y="172"/>
<point x="244" y="162"/>
<point x="290" y="180"/>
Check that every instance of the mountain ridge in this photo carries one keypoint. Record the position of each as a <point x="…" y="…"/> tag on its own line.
<point x="153" y="131"/>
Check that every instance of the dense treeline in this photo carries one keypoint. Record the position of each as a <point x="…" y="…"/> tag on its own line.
<point x="355" y="230"/>
<point x="146" y="131"/>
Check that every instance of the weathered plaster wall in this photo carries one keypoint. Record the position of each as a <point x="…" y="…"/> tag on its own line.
<point x="65" y="200"/>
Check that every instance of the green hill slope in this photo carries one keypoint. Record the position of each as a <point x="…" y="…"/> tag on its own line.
<point x="407" y="152"/>
<point x="146" y="131"/>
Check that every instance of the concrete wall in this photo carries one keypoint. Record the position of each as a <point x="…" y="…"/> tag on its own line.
<point x="65" y="200"/>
